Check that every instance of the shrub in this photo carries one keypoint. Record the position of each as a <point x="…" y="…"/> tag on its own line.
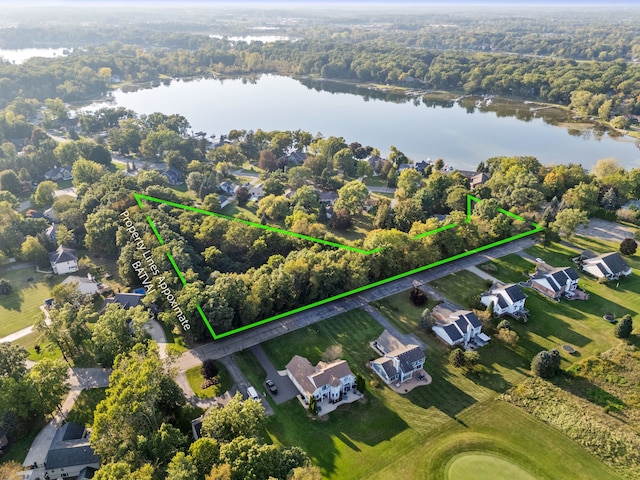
<point x="507" y="336"/>
<point x="628" y="246"/>
<point x="471" y="357"/>
<point x="504" y="324"/>
<point x="313" y="405"/>
<point x="5" y="287"/>
<point x="624" y="327"/>
<point x="209" y="368"/>
<point x="418" y="297"/>
<point x="361" y="385"/>
<point x="630" y="216"/>
<point x="546" y="363"/>
<point x="457" y="358"/>
<point x="489" y="267"/>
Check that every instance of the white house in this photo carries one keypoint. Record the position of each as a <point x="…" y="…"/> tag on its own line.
<point x="86" y="285"/>
<point x="398" y="362"/>
<point x="608" y="265"/>
<point x="554" y="282"/>
<point x="58" y="173"/>
<point x="63" y="260"/>
<point x="507" y="300"/>
<point x="325" y="381"/>
<point x="456" y="326"/>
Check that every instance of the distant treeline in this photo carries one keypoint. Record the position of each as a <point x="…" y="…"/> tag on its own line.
<point x="87" y="74"/>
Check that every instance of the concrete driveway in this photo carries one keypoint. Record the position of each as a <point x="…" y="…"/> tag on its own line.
<point x="605" y="230"/>
<point x="286" y="389"/>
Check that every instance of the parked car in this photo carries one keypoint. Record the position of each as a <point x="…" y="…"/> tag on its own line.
<point x="272" y="386"/>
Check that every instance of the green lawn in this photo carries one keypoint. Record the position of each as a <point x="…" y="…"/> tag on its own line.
<point x="459" y="287"/>
<point x="555" y="254"/>
<point x="195" y="379"/>
<point x="392" y="435"/>
<point x="85" y="406"/>
<point x="509" y="269"/>
<point x="20" y="308"/>
<point x="506" y="432"/>
<point x="483" y="466"/>
<point x="47" y="349"/>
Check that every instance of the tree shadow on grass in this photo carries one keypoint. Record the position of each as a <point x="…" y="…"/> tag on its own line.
<point x="586" y="389"/>
<point x="370" y="423"/>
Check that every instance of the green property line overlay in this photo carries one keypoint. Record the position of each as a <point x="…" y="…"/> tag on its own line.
<point x="536" y="229"/>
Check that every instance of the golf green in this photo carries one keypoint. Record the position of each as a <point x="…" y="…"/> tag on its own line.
<point x="484" y="466"/>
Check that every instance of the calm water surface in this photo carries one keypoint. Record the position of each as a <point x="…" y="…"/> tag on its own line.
<point x="462" y="135"/>
<point x="19" y="56"/>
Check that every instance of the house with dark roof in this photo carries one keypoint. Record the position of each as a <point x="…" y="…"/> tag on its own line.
<point x="608" y="265"/>
<point x="58" y="173"/>
<point x="327" y="198"/>
<point x="479" y="179"/>
<point x="325" y="381"/>
<point x="421" y="166"/>
<point x="398" y="362"/>
<point x="70" y="454"/>
<point x="173" y="176"/>
<point x="507" y="299"/>
<point x="554" y="282"/>
<point x="52" y="233"/>
<point x="457" y="326"/>
<point x="296" y="157"/>
<point x="125" y="300"/>
<point x="63" y="260"/>
<point x="228" y="188"/>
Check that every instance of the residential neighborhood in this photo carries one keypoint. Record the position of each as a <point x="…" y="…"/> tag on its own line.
<point x="204" y="285"/>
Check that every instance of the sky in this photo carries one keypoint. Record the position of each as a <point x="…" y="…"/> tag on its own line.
<point x="325" y="2"/>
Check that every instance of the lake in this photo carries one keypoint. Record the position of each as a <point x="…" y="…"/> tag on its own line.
<point x="20" y="55"/>
<point x="462" y="133"/>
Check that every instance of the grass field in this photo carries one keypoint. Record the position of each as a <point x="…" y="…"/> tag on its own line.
<point x="85" y="406"/>
<point x="18" y="450"/>
<point x="483" y="466"/>
<point x="459" y="287"/>
<point x="47" y="349"/>
<point x="20" y="308"/>
<point x="509" y="268"/>
<point x="195" y="379"/>
<point x="415" y="435"/>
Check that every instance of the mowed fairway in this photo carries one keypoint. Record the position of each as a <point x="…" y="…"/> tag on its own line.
<point x="416" y="435"/>
<point x="20" y="308"/>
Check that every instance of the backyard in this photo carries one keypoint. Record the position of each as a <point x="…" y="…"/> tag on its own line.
<point x="381" y="437"/>
<point x="20" y="308"/>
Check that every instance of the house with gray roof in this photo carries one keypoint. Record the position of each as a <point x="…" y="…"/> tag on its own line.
<point x="63" y="260"/>
<point x="398" y="362"/>
<point x="608" y="265"/>
<point x="507" y="299"/>
<point x="58" y="173"/>
<point x="554" y="282"/>
<point x="457" y="326"/>
<point x="70" y="454"/>
<point x="125" y="300"/>
<point x="325" y="381"/>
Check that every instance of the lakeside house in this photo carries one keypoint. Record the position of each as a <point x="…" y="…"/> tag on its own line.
<point x="325" y="381"/>
<point x="554" y="281"/>
<point x="457" y="326"/>
<point x="63" y="260"/>
<point x="507" y="299"/>
<point x="398" y="362"/>
<point x="610" y="266"/>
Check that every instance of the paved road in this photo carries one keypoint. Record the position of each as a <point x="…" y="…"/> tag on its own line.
<point x="286" y="388"/>
<point x="254" y="336"/>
